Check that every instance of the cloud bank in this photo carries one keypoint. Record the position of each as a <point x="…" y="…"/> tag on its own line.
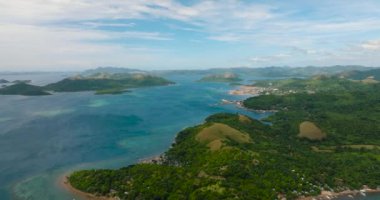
<point x="61" y="35"/>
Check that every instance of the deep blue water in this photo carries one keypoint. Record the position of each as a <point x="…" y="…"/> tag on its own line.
<point x="43" y="137"/>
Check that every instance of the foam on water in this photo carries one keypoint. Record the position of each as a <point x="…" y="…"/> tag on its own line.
<point x="53" y="113"/>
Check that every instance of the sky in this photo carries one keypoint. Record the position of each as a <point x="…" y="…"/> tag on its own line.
<point x="59" y="35"/>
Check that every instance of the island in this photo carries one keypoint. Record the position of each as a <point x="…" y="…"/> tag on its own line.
<point x="106" y="83"/>
<point x="21" y="81"/>
<point x="322" y="144"/>
<point x="101" y="83"/>
<point x="2" y="81"/>
<point x="225" y="77"/>
<point x="23" y="89"/>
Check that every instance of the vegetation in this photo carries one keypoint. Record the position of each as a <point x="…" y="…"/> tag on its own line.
<point x="271" y="71"/>
<point x="23" y="89"/>
<point x="235" y="157"/>
<point x="217" y="134"/>
<point x="367" y="75"/>
<point x="110" y="70"/>
<point x="102" y="83"/>
<point x="106" y="83"/>
<point x="225" y="77"/>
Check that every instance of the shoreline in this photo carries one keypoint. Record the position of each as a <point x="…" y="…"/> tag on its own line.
<point x="246" y="90"/>
<point x="64" y="183"/>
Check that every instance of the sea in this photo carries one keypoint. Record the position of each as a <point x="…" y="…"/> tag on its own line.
<point x="44" y="137"/>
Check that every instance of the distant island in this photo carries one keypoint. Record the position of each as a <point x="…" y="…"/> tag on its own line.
<point x="21" y="81"/>
<point x="324" y="140"/>
<point x="225" y="77"/>
<point x="269" y="72"/>
<point x="111" y="70"/>
<point x="101" y="83"/>
<point x="372" y="75"/>
<point x="2" y="81"/>
<point x="23" y="89"/>
<point x="105" y="83"/>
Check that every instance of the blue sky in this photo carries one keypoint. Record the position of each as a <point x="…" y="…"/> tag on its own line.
<point x="59" y="35"/>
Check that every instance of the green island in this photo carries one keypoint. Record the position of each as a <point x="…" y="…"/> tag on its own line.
<point x="105" y="83"/>
<point x="101" y="83"/>
<point x="23" y="89"/>
<point x="225" y="77"/>
<point x="324" y="140"/>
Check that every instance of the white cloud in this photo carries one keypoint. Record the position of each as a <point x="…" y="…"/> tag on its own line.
<point x="103" y="24"/>
<point x="53" y="48"/>
<point x="71" y="32"/>
<point x="270" y="59"/>
<point x="371" y="45"/>
<point x="225" y="38"/>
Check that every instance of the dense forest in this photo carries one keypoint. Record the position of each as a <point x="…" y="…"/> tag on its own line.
<point x="231" y="156"/>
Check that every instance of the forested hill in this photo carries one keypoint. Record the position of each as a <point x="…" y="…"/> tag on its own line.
<point x="373" y="74"/>
<point x="322" y="141"/>
<point x="23" y="89"/>
<point x="103" y="82"/>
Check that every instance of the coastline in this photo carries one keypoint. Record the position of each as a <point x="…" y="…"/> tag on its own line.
<point x="65" y="184"/>
<point x="245" y="90"/>
<point x="157" y="159"/>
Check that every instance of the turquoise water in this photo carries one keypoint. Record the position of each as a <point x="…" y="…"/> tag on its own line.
<point x="42" y="138"/>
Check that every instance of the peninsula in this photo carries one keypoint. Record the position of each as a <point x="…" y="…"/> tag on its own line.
<point x="305" y="152"/>
<point x="23" y="89"/>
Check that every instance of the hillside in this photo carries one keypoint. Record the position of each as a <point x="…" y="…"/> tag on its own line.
<point x="110" y="70"/>
<point x="274" y="71"/>
<point x="225" y="77"/>
<point x="315" y="84"/>
<point x="234" y="157"/>
<point x="23" y="89"/>
<point x="105" y="83"/>
<point x="367" y="75"/>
